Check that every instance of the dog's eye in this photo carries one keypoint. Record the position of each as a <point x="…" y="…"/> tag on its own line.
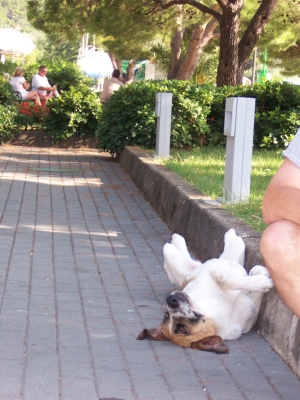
<point x="181" y="329"/>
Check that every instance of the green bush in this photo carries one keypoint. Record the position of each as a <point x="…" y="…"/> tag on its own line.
<point x="8" y="124"/>
<point x="276" y="117"/>
<point x="128" y="118"/>
<point x="6" y="92"/>
<point x="74" y="112"/>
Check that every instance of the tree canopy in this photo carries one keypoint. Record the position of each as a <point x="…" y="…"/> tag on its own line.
<point x="129" y="28"/>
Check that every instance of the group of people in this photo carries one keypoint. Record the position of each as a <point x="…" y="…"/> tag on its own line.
<point x="41" y="89"/>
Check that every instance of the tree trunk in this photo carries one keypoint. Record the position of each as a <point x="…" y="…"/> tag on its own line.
<point x="229" y="57"/>
<point x="130" y="71"/>
<point x="201" y="35"/>
<point x="234" y="54"/>
<point x="176" y="44"/>
<point x="113" y="60"/>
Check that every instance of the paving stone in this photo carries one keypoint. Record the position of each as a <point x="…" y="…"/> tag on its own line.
<point x="70" y="311"/>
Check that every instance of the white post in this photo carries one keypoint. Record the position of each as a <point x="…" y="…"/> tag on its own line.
<point x="163" y="112"/>
<point x="238" y="127"/>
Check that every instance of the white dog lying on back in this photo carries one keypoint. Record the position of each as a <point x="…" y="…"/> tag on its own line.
<point x="217" y="301"/>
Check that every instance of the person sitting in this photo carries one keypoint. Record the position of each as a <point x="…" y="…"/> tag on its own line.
<point x="41" y="84"/>
<point x="6" y="76"/>
<point x="111" y="85"/>
<point x="280" y="241"/>
<point x="20" y="85"/>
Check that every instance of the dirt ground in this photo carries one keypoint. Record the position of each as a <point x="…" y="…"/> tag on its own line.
<point x="36" y="138"/>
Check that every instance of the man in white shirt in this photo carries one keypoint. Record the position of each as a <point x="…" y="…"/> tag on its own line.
<point x="111" y="85"/>
<point x="41" y="84"/>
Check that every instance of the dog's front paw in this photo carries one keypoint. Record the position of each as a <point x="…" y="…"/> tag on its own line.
<point x="259" y="270"/>
<point x="262" y="283"/>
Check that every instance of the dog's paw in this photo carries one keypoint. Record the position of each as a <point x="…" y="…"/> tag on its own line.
<point x="262" y="283"/>
<point x="259" y="270"/>
<point x="179" y="242"/>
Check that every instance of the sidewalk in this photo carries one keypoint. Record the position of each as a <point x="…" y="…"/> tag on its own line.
<point x="81" y="275"/>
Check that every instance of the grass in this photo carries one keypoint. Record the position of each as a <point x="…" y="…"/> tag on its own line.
<point x="204" y="169"/>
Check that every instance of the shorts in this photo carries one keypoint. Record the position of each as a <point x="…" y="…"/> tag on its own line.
<point x="24" y="95"/>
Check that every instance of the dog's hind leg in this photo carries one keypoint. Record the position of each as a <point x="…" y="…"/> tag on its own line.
<point x="180" y="244"/>
<point x="234" y="247"/>
<point x="177" y="264"/>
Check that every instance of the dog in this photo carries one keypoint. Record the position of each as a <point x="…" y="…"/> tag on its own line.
<point x="217" y="299"/>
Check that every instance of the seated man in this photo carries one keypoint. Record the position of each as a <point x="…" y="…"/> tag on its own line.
<point x="41" y="84"/>
<point x="280" y="242"/>
<point x="20" y="85"/>
<point x="111" y="85"/>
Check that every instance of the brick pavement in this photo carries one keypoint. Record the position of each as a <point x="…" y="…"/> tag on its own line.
<point x="81" y="274"/>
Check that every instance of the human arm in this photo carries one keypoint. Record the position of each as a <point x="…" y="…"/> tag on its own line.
<point x="48" y="88"/>
<point x="41" y="83"/>
<point x="26" y="85"/>
<point x="282" y="197"/>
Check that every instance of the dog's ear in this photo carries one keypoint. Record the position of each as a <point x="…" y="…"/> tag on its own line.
<point x="211" y="343"/>
<point x="154" y="334"/>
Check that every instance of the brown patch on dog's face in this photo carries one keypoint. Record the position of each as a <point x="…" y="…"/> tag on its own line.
<point x="185" y="327"/>
<point x="184" y="331"/>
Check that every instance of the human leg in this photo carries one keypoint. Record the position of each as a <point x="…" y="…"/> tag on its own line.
<point x="280" y="247"/>
<point x="43" y="99"/>
<point x="32" y="95"/>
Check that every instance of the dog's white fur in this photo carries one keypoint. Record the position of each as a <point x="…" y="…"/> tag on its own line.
<point x="219" y="289"/>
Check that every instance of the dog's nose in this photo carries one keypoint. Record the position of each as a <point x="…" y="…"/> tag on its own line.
<point x="172" y="301"/>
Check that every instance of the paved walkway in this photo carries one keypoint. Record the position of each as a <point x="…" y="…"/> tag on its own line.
<point x="80" y="276"/>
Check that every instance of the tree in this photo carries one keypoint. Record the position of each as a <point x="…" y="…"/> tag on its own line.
<point x="234" y="52"/>
<point x="126" y="30"/>
<point x="182" y="66"/>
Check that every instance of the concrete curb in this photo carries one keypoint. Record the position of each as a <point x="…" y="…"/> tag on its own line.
<point x="187" y="211"/>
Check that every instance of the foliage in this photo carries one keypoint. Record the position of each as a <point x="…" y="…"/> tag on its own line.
<point x="129" y="116"/>
<point x="277" y="115"/>
<point x="197" y="114"/>
<point x="62" y="73"/>
<point x="8" y="66"/>
<point x="74" y="112"/>
<point x="31" y="115"/>
<point x="8" y="124"/>
<point x="206" y="70"/>
<point x="6" y="92"/>
<point x="13" y="14"/>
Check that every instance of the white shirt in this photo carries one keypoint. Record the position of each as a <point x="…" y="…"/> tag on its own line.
<point x="293" y="150"/>
<point x="38" y="81"/>
<point x="17" y="84"/>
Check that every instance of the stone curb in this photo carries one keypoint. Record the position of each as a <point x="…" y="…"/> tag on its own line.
<point x="186" y="211"/>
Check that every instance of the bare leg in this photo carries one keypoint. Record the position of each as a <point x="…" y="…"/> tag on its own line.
<point x="280" y="247"/>
<point x="32" y="95"/>
<point x="43" y="99"/>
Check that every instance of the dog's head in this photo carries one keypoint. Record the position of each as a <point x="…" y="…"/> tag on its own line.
<point x="186" y="327"/>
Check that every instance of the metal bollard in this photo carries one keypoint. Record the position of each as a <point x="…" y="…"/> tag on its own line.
<point x="163" y="111"/>
<point x="238" y="127"/>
